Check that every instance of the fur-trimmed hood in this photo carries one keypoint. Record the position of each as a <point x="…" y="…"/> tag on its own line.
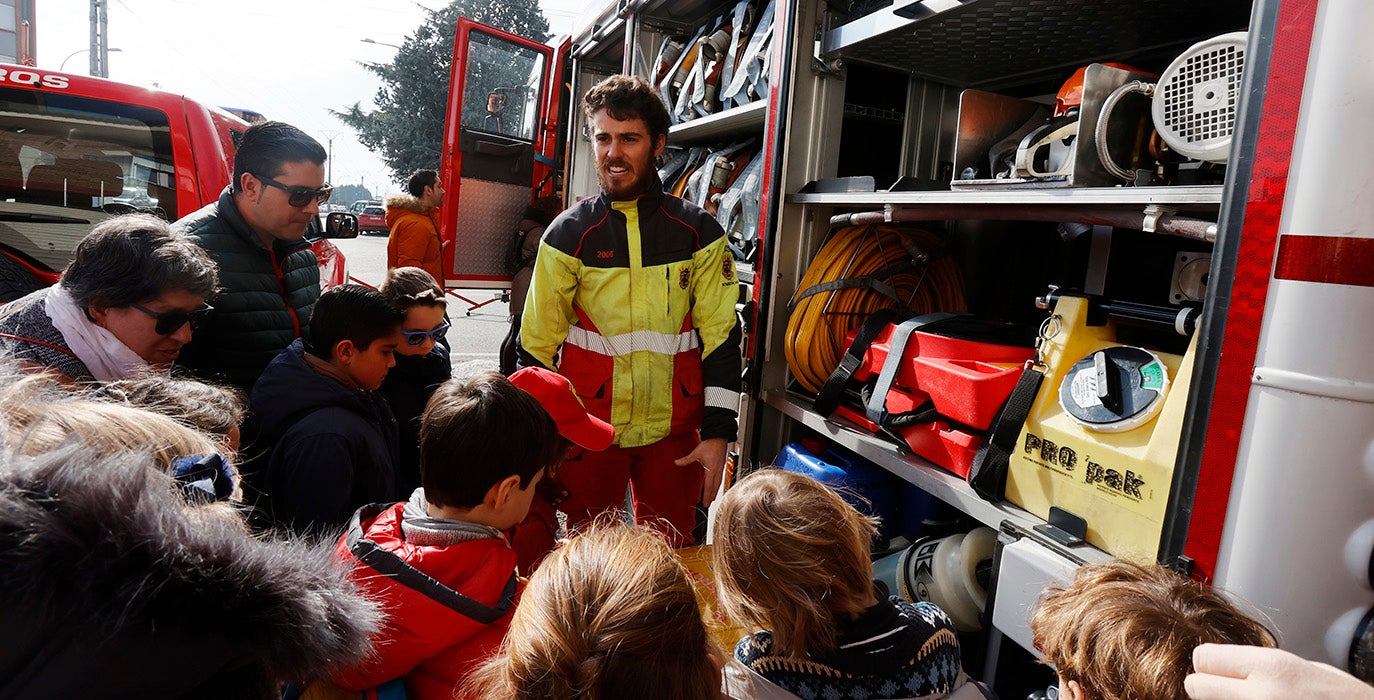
<point x="404" y="202"/>
<point x="113" y="587"/>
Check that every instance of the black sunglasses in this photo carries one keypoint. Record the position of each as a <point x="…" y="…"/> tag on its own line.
<point x="299" y="195"/>
<point x="419" y="337"/>
<point x="169" y="322"/>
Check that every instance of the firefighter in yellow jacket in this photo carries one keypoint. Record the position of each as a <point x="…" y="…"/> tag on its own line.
<point x="633" y="299"/>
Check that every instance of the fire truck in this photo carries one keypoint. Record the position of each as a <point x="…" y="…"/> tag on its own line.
<point x="1160" y="208"/>
<point x="75" y="150"/>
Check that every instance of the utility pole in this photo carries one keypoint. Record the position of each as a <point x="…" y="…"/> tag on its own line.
<point x="329" y="136"/>
<point x="100" y="57"/>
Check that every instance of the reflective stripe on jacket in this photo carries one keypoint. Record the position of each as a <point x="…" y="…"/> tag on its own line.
<point x="640" y="298"/>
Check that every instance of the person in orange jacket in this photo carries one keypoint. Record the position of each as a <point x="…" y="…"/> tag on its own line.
<point x="414" y="223"/>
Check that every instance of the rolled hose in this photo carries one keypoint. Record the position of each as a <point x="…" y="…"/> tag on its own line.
<point x="818" y="324"/>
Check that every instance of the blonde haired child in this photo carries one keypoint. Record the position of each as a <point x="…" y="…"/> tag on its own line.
<point x="213" y="409"/>
<point x="609" y="615"/>
<point x="793" y="559"/>
<point x="39" y="417"/>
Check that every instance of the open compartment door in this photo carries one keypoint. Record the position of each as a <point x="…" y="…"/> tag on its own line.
<point x="495" y="119"/>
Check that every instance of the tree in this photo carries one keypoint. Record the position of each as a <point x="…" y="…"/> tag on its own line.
<point x="348" y="194"/>
<point x="407" y="127"/>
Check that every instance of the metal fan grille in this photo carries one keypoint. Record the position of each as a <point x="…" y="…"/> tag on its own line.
<point x="1201" y="98"/>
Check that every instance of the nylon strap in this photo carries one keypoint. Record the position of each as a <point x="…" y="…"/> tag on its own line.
<point x="392" y="566"/>
<point x="988" y="475"/>
<point x="870" y="281"/>
<point x="876" y="410"/>
<point x="829" y="396"/>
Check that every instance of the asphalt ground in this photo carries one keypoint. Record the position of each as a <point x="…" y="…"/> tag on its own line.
<point x="474" y="339"/>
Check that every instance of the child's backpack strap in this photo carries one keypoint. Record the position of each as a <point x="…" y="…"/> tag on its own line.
<point x="390" y="565"/>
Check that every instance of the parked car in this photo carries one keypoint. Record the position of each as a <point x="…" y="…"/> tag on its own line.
<point x="372" y="219"/>
<point x="76" y="150"/>
<point x="358" y="206"/>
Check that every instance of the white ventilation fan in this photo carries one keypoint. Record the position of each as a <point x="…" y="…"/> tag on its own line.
<point x="1194" y="103"/>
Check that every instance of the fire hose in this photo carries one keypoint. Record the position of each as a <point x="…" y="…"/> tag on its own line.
<point x="858" y="271"/>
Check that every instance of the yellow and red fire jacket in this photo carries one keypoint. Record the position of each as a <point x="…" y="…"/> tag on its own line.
<point x="634" y="302"/>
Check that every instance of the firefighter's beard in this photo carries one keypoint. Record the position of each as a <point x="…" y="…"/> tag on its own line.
<point x="623" y="180"/>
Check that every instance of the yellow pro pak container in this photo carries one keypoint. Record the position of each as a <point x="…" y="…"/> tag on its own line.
<point x="1117" y="475"/>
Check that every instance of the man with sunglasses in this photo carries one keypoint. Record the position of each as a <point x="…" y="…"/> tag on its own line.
<point x="269" y="276"/>
<point x="414" y="224"/>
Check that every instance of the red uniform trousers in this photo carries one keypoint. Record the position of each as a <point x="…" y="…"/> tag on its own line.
<point x="665" y="495"/>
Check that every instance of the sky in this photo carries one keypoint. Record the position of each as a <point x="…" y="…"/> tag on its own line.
<point x="291" y="60"/>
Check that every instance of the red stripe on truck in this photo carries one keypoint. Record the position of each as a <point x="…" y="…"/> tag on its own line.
<point x="1326" y="259"/>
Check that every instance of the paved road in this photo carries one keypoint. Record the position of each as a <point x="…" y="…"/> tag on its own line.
<point x="475" y="338"/>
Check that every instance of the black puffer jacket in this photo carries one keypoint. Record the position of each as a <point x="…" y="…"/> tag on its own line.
<point x="407" y="389"/>
<point x="114" y="588"/>
<point x="265" y="299"/>
<point x="332" y="449"/>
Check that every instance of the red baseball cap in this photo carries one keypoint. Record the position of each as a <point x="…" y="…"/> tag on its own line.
<point x="555" y="393"/>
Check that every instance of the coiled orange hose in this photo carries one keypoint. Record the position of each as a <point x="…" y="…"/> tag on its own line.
<point x="818" y="324"/>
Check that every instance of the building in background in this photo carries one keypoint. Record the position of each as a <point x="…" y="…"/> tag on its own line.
<point x="17" y="32"/>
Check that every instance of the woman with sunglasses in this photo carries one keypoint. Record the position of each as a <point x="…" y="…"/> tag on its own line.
<point x="125" y="306"/>
<point x="422" y="361"/>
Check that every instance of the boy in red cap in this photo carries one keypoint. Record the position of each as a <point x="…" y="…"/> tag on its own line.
<point x="536" y="536"/>
<point x="439" y="563"/>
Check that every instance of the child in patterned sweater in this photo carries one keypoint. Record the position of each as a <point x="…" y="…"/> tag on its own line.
<point x="792" y="558"/>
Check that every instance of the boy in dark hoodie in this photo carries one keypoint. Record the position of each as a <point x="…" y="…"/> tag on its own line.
<point x="331" y="439"/>
<point x="440" y="564"/>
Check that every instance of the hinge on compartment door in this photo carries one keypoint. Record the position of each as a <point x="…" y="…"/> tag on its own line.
<point x="833" y="67"/>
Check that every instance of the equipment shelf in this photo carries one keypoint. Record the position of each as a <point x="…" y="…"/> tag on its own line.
<point x="997" y="43"/>
<point x="749" y="117"/>
<point x="930" y="478"/>
<point x="1190" y="198"/>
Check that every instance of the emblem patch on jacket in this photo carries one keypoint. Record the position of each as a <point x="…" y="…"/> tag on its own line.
<point x="684" y="277"/>
<point x="727" y="266"/>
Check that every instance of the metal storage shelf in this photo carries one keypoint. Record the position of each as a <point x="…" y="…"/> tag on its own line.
<point x="736" y="119"/>
<point x="988" y="43"/>
<point x="930" y="478"/>
<point x="935" y="481"/>
<point x="685" y="12"/>
<point x="1192" y="198"/>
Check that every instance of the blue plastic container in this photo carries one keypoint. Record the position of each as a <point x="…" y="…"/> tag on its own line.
<point x="871" y="489"/>
<point x="919" y="510"/>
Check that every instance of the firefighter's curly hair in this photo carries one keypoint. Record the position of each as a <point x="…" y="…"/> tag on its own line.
<point x="626" y="97"/>
<point x="1124" y="631"/>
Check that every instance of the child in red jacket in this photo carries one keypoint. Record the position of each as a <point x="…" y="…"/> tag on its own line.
<point x="440" y="563"/>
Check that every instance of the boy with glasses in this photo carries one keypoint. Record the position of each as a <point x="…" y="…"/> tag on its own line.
<point x="269" y="276"/>
<point x="422" y="361"/>
<point x="331" y="438"/>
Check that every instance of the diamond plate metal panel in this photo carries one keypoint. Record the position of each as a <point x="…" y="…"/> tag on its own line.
<point x="977" y="43"/>
<point x="488" y="213"/>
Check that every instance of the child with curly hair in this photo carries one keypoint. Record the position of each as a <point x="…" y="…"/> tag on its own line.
<point x="792" y="559"/>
